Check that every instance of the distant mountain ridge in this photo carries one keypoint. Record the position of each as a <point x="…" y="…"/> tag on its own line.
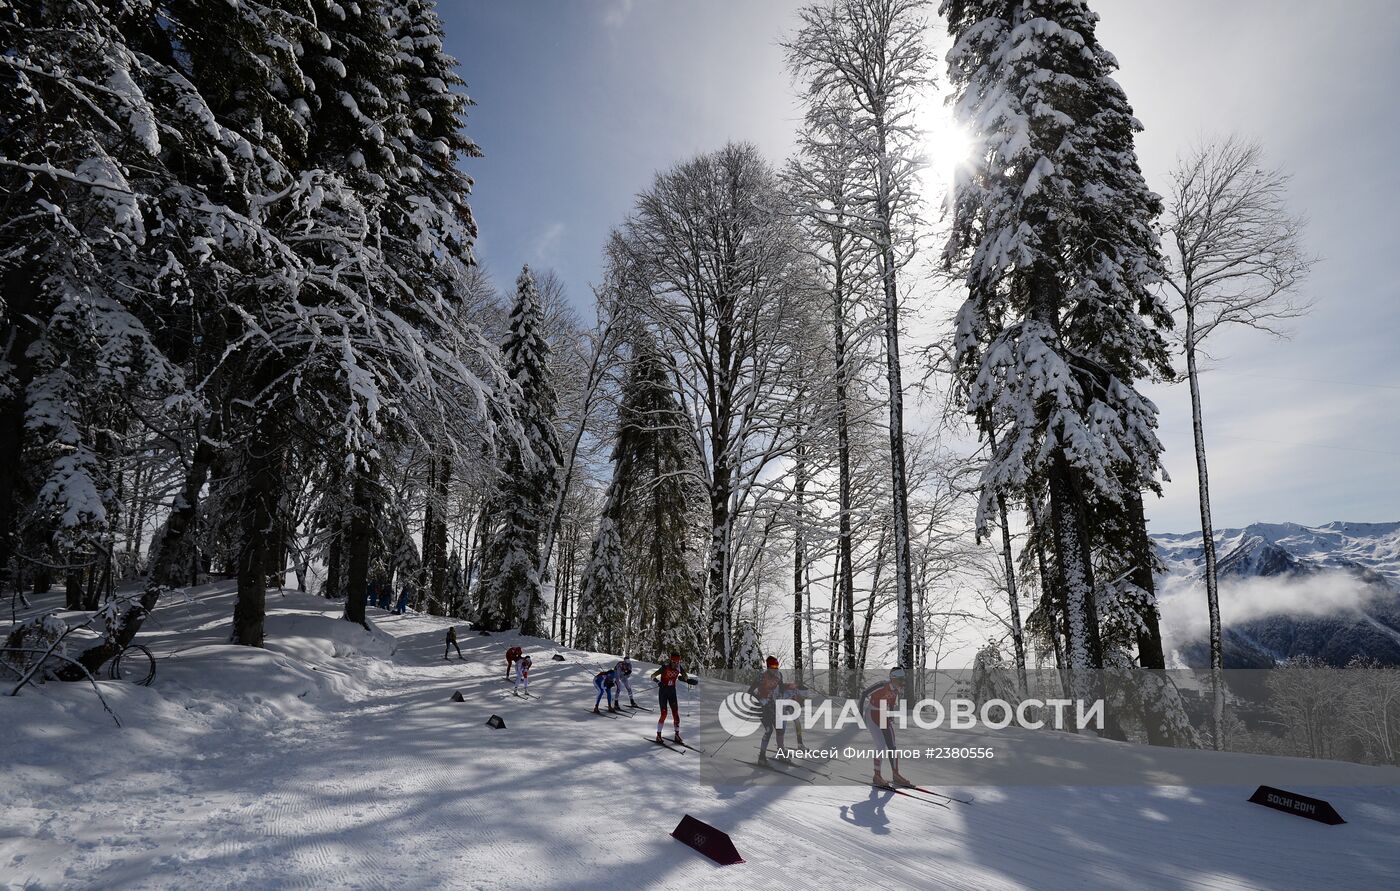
<point x="1331" y="592"/>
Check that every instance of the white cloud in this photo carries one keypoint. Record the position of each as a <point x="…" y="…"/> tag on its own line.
<point x="544" y="249"/>
<point x="617" y="12"/>
<point x="1183" y="601"/>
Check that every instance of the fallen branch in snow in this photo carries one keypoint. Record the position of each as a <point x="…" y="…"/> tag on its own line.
<point x="27" y="677"/>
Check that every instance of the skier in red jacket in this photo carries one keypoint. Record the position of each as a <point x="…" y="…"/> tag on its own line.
<point x="766" y="689"/>
<point x="666" y="677"/>
<point x="512" y="656"/>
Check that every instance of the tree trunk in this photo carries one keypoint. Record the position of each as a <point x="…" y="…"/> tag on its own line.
<point x="720" y="609"/>
<point x="799" y="557"/>
<point x="74" y="595"/>
<point x="358" y="546"/>
<point x="15" y="338"/>
<point x="435" y="536"/>
<point x="439" y="566"/>
<point x="335" y="557"/>
<point x="1018" y="640"/>
<point x="884" y="209"/>
<point x="1073" y="578"/>
<point x="870" y="603"/>
<point x="1150" y="650"/>
<point x="833" y="626"/>
<point x="844" y="558"/>
<point x="279" y="530"/>
<point x="1217" y="653"/>
<point x="904" y="589"/>
<point x="262" y="486"/>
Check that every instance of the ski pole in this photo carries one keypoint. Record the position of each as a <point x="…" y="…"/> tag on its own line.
<point x="727" y="738"/>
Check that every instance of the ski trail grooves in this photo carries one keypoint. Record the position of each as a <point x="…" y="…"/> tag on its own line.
<point x="375" y="779"/>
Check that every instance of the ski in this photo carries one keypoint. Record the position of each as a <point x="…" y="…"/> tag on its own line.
<point x="640" y="708"/>
<point x="939" y="794"/>
<point x="663" y="744"/>
<point x="685" y="745"/>
<point x="800" y="766"/>
<point x="778" y="770"/>
<point x="897" y="791"/>
<point x="603" y="714"/>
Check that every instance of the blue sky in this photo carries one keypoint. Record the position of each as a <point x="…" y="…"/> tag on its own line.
<point x="579" y="103"/>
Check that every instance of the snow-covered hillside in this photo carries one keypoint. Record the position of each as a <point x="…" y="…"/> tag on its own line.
<point x="1331" y="592"/>
<point x="336" y="759"/>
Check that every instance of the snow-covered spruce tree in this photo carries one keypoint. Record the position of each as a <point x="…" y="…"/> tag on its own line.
<point x="380" y="226"/>
<point x="657" y="451"/>
<point x="865" y="66"/>
<point x="131" y="126"/>
<point x="77" y="167"/>
<point x="531" y="462"/>
<point x="330" y="317"/>
<point x="1054" y="222"/>
<point x="602" y="597"/>
<point x="431" y="198"/>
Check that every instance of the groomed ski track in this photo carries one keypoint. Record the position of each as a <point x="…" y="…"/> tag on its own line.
<point x="314" y="765"/>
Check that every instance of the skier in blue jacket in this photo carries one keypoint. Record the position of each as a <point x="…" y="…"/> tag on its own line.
<point x="604" y="682"/>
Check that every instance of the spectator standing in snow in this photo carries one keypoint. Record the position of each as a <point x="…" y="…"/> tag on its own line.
<point x="402" y="605"/>
<point x="452" y="643"/>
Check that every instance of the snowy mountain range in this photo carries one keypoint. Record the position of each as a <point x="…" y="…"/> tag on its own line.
<point x="1331" y="592"/>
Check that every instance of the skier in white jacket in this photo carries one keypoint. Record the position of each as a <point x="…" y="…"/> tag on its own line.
<point x="522" y="676"/>
<point x="624" y="680"/>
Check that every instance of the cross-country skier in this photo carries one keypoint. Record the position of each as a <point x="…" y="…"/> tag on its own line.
<point x="666" y="677"/>
<point x="876" y="704"/>
<point x="522" y="676"/>
<point x="765" y="689"/>
<point x="512" y="656"/>
<point x="624" y="680"/>
<point x="452" y="643"/>
<point x="604" y="682"/>
<point x="796" y="693"/>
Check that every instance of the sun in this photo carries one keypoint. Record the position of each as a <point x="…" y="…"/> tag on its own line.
<point x="946" y="146"/>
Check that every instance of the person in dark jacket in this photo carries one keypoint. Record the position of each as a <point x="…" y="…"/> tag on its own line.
<point x="452" y="644"/>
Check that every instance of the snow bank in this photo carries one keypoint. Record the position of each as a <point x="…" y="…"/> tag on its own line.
<point x="335" y="759"/>
<point x="317" y="639"/>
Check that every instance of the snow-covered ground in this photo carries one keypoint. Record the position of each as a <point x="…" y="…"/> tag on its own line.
<point x="335" y="759"/>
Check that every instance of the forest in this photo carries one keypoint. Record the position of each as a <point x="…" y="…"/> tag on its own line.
<point x="243" y="335"/>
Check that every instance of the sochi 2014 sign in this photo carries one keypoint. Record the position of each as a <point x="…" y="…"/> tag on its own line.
<point x="1298" y="805"/>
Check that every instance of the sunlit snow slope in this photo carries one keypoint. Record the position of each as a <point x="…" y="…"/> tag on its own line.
<point x="335" y="759"/>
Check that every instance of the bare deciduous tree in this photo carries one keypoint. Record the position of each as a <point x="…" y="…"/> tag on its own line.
<point x="720" y="270"/>
<point x="865" y="64"/>
<point x="1236" y="259"/>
